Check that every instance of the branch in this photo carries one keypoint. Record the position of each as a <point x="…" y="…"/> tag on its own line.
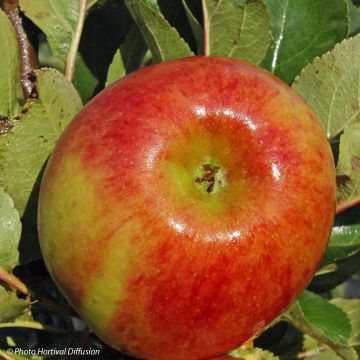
<point x="28" y="57"/>
<point x="70" y="63"/>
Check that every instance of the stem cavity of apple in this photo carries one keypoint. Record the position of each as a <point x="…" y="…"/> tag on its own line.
<point x="209" y="178"/>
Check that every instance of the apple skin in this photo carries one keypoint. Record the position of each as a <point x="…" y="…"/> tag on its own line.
<point x="159" y="265"/>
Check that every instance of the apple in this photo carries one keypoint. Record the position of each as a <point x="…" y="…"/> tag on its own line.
<point x="186" y="206"/>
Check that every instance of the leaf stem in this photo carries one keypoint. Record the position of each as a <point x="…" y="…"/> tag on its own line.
<point x="28" y="57"/>
<point x="294" y="317"/>
<point x="36" y="326"/>
<point x="311" y="353"/>
<point x="13" y="281"/>
<point x="70" y="63"/>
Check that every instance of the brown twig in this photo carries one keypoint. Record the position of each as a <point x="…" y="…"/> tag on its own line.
<point x="5" y="124"/>
<point x="28" y="57"/>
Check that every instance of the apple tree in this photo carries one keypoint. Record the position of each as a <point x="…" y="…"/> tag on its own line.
<point x="56" y="55"/>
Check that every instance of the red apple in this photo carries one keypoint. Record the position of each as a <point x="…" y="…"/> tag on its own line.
<point x="186" y="206"/>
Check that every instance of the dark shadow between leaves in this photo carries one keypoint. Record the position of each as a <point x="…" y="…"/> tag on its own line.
<point x="29" y="243"/>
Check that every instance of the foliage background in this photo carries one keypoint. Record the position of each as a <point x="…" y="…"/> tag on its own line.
<point x="83" y="46"/>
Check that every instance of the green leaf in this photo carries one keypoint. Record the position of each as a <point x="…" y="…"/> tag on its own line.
<point x="133" y="50"/>
<point x="11" y="307"/>
<point x="352" y="309"/>
<point x="196" y="28"/>
<point x="105" y="29"/>
<point x="48" y="59"/>
<point x="316" y="316"/>
<point x="25" y="149"/>
<point x="10" y="232"/>
<point x="163" y="40"/>
<point x="153" y="4"/>
<point x="84" y="80"/>
<point x="348" y="168"/>
<point x="302" y="30"/>
<point x="253" y="354"/>
<point x="175" y="14"/>
<point x="57" y="19"/>
<point x="344" y="242"/>
<point x="116" y="69"/>
<point x="11" y="92"/>
<point x="129" y="56"/>
<point x="354" y="13"/>
<point x="236" y="31"/>
<point x="330" y="86"/>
